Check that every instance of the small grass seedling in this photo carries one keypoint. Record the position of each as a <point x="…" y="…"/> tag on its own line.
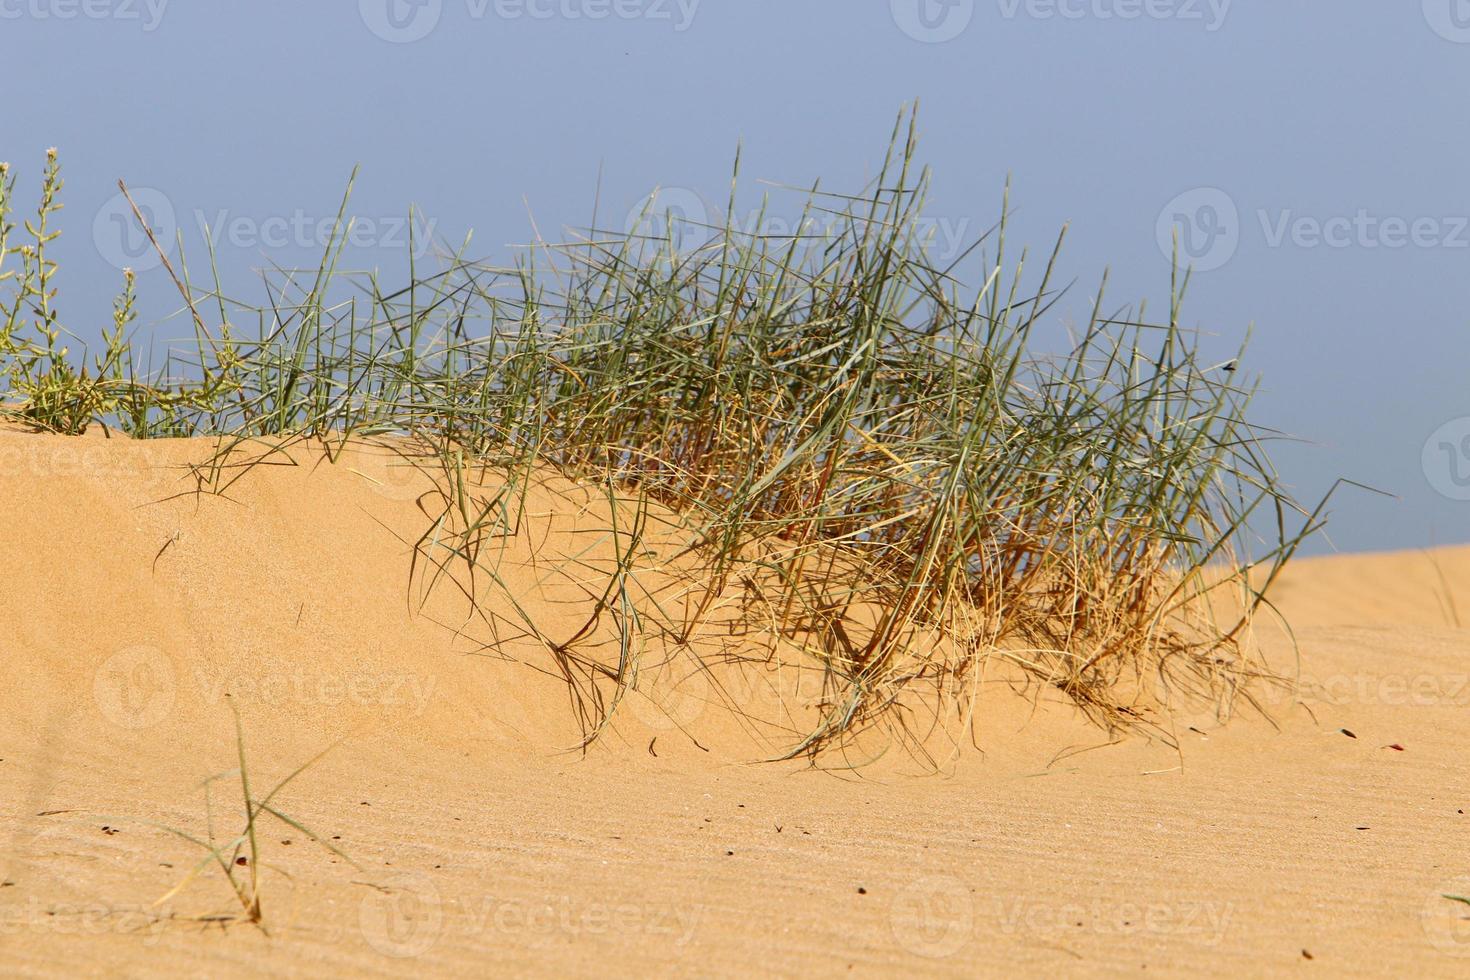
<point x="239" y="857"/>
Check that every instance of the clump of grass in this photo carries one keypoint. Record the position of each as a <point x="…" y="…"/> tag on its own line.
<point x="43" y="384"/>
<point x="848" y="426"/>
<point x="239" y="857"/>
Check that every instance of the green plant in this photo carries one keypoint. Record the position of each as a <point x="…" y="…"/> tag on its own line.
<point x="845" y="425"/>
<point x="239" y="857"/>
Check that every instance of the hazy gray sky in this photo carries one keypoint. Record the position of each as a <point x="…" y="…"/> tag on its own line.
<point x="1314" y="155"/>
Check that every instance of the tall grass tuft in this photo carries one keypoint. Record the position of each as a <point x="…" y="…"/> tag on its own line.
<point x="836" y="412"/>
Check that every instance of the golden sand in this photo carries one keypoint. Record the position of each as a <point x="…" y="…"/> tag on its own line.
<point x="134" y="616"/>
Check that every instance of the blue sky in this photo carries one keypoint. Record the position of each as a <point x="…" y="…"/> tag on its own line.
<point x="1312" y="153"/>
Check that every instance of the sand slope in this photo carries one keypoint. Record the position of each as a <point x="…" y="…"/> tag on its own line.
<point x="132" y="618"/>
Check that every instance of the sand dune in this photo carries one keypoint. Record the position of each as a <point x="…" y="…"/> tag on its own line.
<point x="136" y="613"/>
